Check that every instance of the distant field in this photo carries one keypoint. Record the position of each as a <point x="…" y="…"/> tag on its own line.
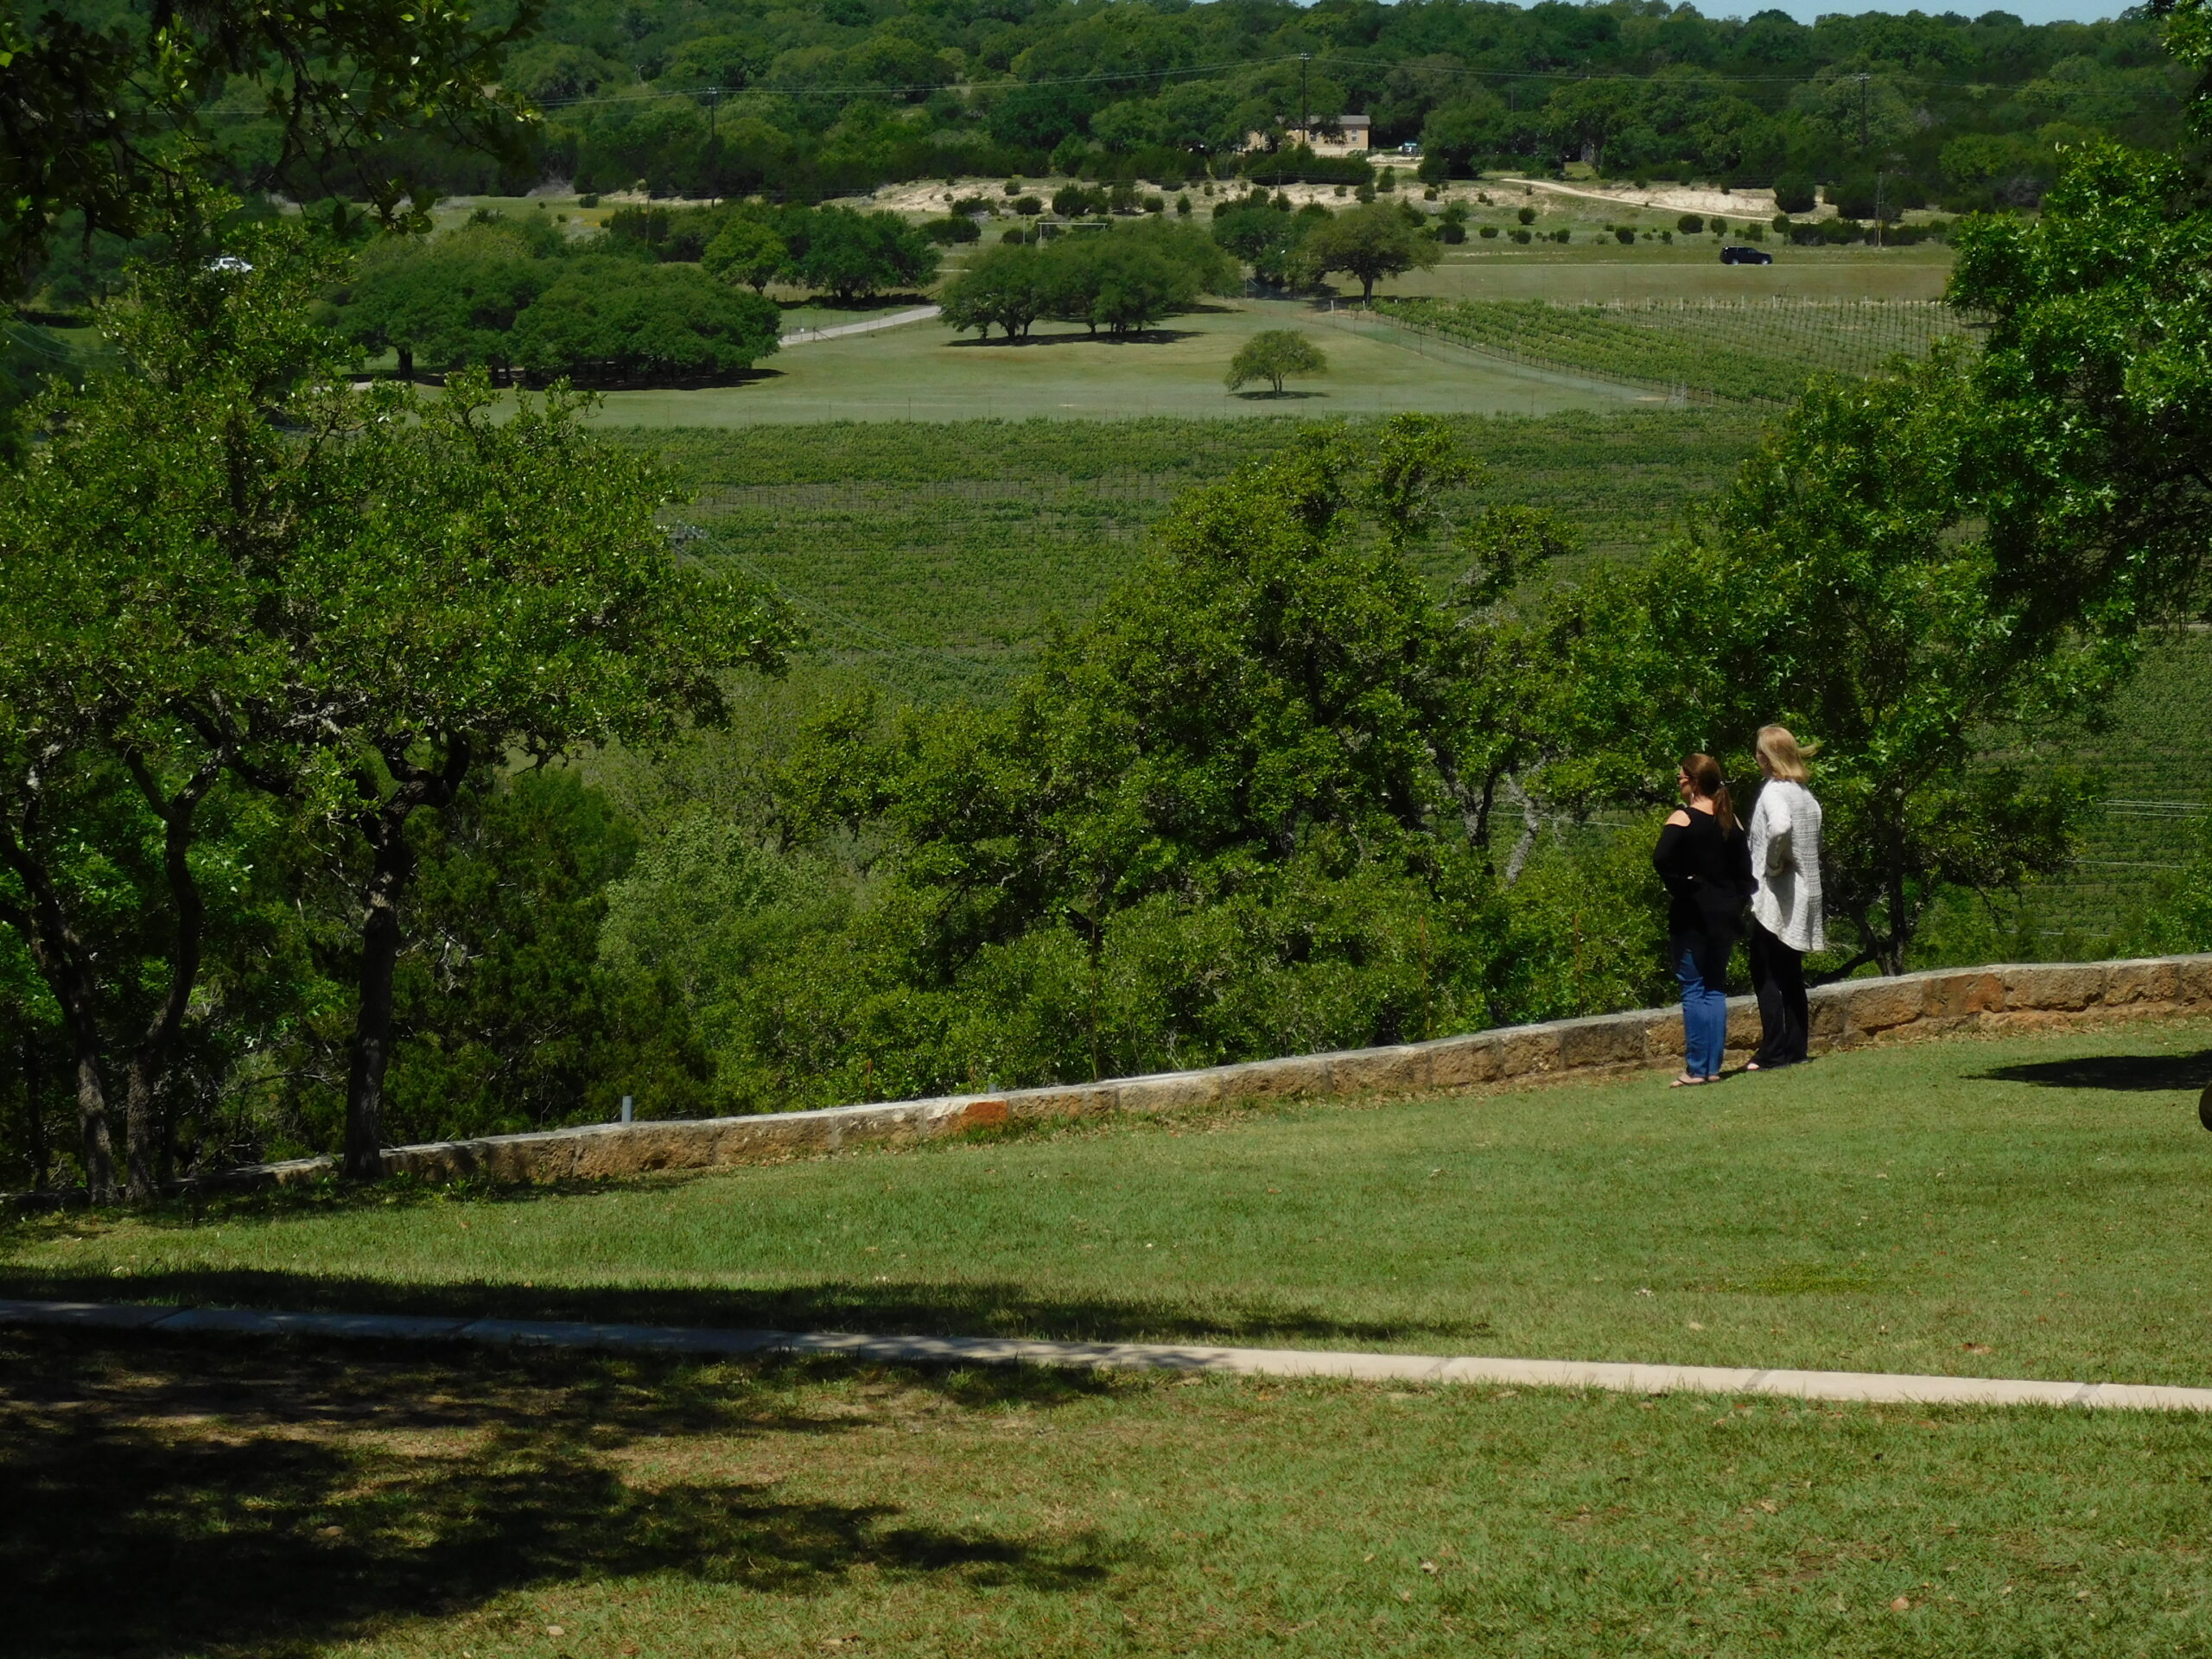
<point x="931" y="555"/>
<point x="925" y="371"/>
<point x="1745" y="351"/>
<point x="1586" y="273"/>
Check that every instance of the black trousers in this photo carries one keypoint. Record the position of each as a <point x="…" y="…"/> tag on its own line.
<point x="1778" y="982"/>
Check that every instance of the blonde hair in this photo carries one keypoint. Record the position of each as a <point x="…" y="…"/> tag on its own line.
<point x="1784" y="756"/>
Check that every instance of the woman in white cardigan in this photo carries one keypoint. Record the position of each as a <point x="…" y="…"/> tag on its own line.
<point x="1786" y="919"/>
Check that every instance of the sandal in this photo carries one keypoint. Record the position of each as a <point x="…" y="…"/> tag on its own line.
<point x="1686" y="1081"/>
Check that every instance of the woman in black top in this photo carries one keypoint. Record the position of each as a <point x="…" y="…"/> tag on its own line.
<point x="1705" y="859"/>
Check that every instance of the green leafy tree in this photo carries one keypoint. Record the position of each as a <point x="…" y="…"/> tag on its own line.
<point x="1842" y="589"/>
<point x="1009" y="286"/>
<point x="853" y="255"/>
<point x="1274" y="355"/>
<point x="746" y="252"/>
<point x="121" y="536"/>
<point x="366" y="600"/>
<point x="1264" y="237"/>
<point x="111" y="118"/>
<point x="617" y="320"/>
<point x="1367" y="243"/>
<point x="1127" y="279"/>
<point x="446" y="302"/>
<point x="2097" y="402"/>
<point x="505" y="589"/>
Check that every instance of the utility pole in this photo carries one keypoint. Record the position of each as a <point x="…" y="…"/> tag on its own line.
<point x="714" y="149"/>
<point x="1304" y="119"/>
<point x="1877" y="206"/>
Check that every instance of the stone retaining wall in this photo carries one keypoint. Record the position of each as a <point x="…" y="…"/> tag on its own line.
<point x="1845" y="1015"/>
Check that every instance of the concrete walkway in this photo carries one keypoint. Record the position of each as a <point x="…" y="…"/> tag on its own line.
<point x="892" y="319"/>
<point x="1864" y="1388"/>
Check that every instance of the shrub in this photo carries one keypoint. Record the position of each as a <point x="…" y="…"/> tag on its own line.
<point x="1526" y="215"/>
<point x="1690" y="225"/>
<point x="1624" y="234"/>
<point x="1521" y="234"/>
<point x="1076" y="201"/>
<point x="1793" y="194"/>
<point x="1029" y="206"/>
<point x="589" y="199"/>
<point x="947" y="232"/>
<point x="1488" y="233"/>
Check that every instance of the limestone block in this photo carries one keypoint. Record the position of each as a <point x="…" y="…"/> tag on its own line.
<point x="1881" y="1004"/>
<point x="2054" y="985"/>
<point x="1662" y="1034"/>
<point x="1400" y="1070"/>
<point x="1954" y="996"/>
<point x="2196" y="980"/>
<point x="1067" y="1100"/>
<point x="1602" y="1040"/>
<point x="1463" y="1062"/>
<point x="1301" y="1077"/>
<point x="1526" y="1050"/>
<point x="2154" y="981"/>
<point x="1168" y="1091"/>
<point x="1744" y="1029"/>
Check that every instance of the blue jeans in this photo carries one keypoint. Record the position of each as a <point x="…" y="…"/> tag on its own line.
<point x="1701" y="965"/>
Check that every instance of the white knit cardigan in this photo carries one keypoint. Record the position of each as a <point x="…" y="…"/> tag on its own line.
<point x="1785" y="834"/>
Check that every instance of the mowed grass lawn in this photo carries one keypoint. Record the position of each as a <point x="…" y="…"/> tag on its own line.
<point x="925" y="371"/>
<point x="2032" y="1207"/>
<point x="2043" y="1200"/>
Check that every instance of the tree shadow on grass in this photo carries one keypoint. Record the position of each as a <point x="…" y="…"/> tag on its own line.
<point x="964" y="1308"/>
<point x="1134" y="337"/>
<point x="2128" y="1072"/>
<point x="269" y="1498"/>
<point x="1284" y="396"/>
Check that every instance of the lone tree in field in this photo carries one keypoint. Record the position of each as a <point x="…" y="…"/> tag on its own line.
<point x="1371" y="241"/>
<point x="1274" y="356"/>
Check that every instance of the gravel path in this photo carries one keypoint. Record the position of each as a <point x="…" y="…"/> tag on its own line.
<point x="1866" y="1388"/>
<point x="892" y="319"/>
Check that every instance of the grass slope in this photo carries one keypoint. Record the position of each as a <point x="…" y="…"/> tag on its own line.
<point x="2028" y="1207"/>
<point x="281" y="1500"/>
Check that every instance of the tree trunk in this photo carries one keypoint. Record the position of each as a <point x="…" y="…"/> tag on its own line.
<point x="406" y="363"/>
<point x="372" y="1022"/>
<point x="143" y="1140"/>
<point x="35" y="1115"/>
<point x="385" y="827"/>
<point x="60" y="957"/>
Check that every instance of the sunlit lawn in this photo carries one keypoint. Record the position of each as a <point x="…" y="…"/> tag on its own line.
<point x="2030" y="1207"/>
<point x="171" y="1498"/>
<point x="925" y="372"/>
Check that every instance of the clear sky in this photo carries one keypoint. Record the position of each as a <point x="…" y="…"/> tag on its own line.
<point x="2028" y="11"/>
